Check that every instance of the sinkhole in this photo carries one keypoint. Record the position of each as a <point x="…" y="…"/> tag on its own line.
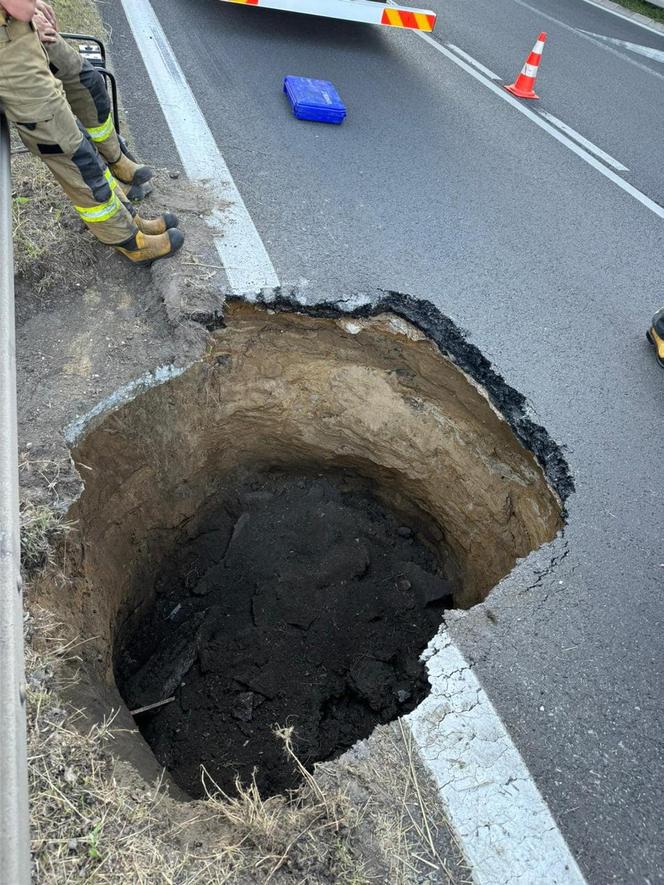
<point x="272" y="536"/>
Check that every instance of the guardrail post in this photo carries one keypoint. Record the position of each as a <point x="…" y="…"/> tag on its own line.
<point x="14" y="812"/>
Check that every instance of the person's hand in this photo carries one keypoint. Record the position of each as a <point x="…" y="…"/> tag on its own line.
<point x="23" y="10"/>
<point x="47" y="33"/>
<point x="47" y="11"/>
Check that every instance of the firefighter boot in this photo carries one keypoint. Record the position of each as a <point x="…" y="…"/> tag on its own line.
<point x="655" y="336"/>
<point x="156" y="226"/>
<point x="150" y="226"/>
<point x="131" y="173"/>
<point x="143" y="249"/>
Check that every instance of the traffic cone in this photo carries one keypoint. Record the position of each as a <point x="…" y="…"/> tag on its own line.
<point x="523" y="87"/>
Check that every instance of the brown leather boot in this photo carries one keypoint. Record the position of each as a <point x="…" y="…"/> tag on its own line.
<point x="143" y="249"/>
<point x="159" y="225"/>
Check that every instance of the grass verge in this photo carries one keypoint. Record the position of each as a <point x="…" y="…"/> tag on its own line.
<point x="656" y="13"/>
<point x="49" y="248"/>
<point x="79" y="16"/>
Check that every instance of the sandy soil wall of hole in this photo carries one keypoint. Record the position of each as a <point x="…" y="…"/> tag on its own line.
<point x="374" y="395"/>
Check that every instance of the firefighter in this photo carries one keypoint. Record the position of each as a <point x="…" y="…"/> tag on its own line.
<point x="88" y="98"/>
<point x="35" y="101"/>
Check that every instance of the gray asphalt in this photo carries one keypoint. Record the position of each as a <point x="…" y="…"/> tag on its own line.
<point x="435" y="187"/>
<point x="611" y="95"/>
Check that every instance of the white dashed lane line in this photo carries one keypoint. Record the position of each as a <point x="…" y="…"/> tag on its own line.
<point x="580" y="139"/>
<point x="582" y="35"/>
<point x="474" y="62"/>
<point x="588" y="145"/>
<point x="539" y="120"/>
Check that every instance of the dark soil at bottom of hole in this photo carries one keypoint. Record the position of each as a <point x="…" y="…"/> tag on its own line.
<point x="299" y="602"/>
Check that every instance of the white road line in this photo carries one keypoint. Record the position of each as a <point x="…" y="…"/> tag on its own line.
<point x="588" y="145"/>
<point x="242" y="252"/>
<point x="474" y="62"/>
<point x="503" y="824"/>
<point x="547" y="127"/>
<point x="623" y="15"/>
<point x="583" y="36"/>
<point x="637" y="48"/>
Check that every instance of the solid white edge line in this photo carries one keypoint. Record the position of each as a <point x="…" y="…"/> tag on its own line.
<point x="242" y="252"/>
<point x="624" y="16"/>
<point x="504" y="826"/>
<point x="602" y="155"/>
<point x="547" y="127"/>
<point x="473" y="61"/>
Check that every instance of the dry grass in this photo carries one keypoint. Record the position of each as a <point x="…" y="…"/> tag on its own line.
<point x="48" y="472"/>
<point x="51" y="249"/>
<point x="412" y="841"/>
<point x="42" y="527"/>
<point x="307" y="835"/>
<point x="95" y="820"/>
<point x="79" y="16"/>
<point x="405" y="829"/>
<point x="43" y="523"/>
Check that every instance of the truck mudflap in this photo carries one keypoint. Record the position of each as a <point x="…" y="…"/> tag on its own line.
<point x="364" y="11"/>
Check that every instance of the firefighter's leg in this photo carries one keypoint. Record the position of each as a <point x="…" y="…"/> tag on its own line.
<point x="88" y="97"/>
<point x="165" y="221"/>
<point x="90" y="186"/>
<point x="34" y="100"/>
<point x="92" y="189"/>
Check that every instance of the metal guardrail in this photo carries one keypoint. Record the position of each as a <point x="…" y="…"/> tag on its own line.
<point x="14" y="811"/>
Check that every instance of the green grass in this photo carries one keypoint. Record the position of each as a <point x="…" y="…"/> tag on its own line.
<point x="654" y="12"/>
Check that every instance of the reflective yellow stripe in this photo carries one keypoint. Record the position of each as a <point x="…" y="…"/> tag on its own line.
<point x="110" y="179"/>
<point x="102" y="212"/>
<point x="101" y="133"/>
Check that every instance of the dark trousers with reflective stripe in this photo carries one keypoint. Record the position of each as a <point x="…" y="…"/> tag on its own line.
<point x="35" y="101"/>
<point x="87" y="96"/>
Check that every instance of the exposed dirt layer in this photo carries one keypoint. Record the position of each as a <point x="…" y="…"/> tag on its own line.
<point x="453" y="342"/>
<point x="300" y="601"/>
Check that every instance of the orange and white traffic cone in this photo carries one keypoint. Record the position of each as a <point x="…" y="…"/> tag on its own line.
<point x="523" y="87"/>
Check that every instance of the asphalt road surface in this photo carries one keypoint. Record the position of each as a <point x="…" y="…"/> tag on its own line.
<point x="436" y="187"/>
